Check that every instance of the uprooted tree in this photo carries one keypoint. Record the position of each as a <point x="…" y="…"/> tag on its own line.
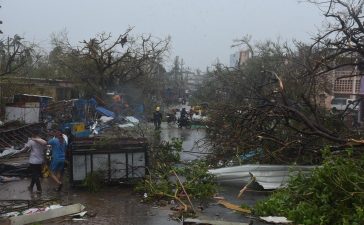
<point x="105" y="63"/>
<point x="272" y="104"/>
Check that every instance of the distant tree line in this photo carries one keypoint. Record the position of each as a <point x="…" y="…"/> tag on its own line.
<point x="105" y="63"/>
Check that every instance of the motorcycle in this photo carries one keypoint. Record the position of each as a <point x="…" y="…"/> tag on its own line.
<point x="184" y="122"/>
<point x="171" y="118"/>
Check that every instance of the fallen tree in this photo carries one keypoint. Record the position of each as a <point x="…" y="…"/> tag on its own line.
<point x="273" y="104"/>
<point x="185" y="185"/>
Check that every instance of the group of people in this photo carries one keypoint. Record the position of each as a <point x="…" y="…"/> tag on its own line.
<point x="37" y="146"/>
<point x="183" y="116"/>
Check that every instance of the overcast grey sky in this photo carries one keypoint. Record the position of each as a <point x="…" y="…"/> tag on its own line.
<point x="201" y="30"/>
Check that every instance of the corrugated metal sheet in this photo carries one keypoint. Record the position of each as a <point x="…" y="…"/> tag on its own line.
<point x="268" y="176"/>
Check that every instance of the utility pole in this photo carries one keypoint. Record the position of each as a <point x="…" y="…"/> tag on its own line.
<point x="1" y="22"/>
<point x="182" y="82"/>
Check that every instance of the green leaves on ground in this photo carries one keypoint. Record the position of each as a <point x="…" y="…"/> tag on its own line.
<point x="162" y="183"/>
<point x="333" y="194"/>
<point x="198" y="182"/>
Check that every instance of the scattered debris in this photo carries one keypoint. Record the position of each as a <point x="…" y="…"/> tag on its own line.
<point x="13" y="207"/>
<point x="41" y="214"/>
<point x="241" y="192"/>
<point x="4" y="179"/>
<point x="233" y="207"/>
<point x="16" y="170"/>
<point x="79" y="215"/>
<point x="9" y="152"/>
<point x="126" y="125"/>
<point x="219" y="198"/>
<point x="276" y="219"/>
<point x="132" y="119"/>
<point x="105" y="119"/>
<point x="190" y="221"/>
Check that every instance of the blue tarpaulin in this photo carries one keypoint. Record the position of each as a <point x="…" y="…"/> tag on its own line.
<point x="105" y="112"/>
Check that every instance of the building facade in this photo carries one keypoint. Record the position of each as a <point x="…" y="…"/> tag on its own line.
<point x="239" y="58"/>
<point x="56" y="89"/>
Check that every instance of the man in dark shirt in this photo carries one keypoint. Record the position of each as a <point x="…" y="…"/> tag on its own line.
<point x="157" y="118"/>
<point x="183" y="113"/>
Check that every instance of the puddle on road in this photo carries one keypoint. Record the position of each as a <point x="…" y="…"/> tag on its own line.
<point x="193" y="140"/>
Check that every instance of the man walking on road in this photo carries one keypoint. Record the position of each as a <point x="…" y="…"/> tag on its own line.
<point x="157" y="118"/>
<point x="36" y="159"/>
<point x="58" y="156"/>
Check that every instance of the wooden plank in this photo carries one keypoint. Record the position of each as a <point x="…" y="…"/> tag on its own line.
<point x="233" y="207"/>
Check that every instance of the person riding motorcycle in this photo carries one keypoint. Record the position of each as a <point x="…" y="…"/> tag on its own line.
<point x="183" y="113"/>
<point x="183" y="120"/>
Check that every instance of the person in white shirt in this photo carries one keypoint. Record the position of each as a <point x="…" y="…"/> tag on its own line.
<point x="36" y="159"/>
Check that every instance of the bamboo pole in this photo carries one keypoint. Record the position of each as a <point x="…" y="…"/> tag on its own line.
<point x="184" y="190"/>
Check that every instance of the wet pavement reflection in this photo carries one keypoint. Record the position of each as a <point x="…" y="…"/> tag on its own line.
<point x="193" y="140"/>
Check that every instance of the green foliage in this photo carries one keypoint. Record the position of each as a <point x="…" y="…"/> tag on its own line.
<point x="93" y="181"/>
<point x="198" y="182"/>
<point x="169" y="152"/>
<point x="166" y="154"/>
<point x="162" y="183"/>
<point x="245" y="206"/>
<point x="333" y="194"/>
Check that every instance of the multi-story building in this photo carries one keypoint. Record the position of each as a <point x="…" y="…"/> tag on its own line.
<point x="346" y="83"/>
<point x="346" y="89"/>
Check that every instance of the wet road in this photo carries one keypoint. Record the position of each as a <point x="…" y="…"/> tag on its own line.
<point x="193" y="140"/>
<point x="119" y="205"/>
<point x="112" y="205"/>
